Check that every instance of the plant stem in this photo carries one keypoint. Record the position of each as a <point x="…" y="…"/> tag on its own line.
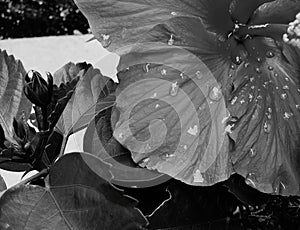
<point x="44" y="172"/>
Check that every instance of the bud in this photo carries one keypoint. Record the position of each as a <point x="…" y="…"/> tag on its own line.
<point x="37" y="90"/>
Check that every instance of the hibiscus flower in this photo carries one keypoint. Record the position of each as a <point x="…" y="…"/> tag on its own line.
<point x="207" y="88"/>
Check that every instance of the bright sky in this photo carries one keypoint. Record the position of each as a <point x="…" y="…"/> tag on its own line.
<point x="49" y="54"/>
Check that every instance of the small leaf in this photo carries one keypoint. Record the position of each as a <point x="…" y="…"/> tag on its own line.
<point x="92" y="95"/>
<point x="2" y="184"/>
<point x="78" y="198"/>
<point x="12" y="99"/>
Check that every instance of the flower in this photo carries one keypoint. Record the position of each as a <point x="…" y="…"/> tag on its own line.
<point x="240" y="43"/>
<point x="37" y="90"/>
<point x="293" y="33"/>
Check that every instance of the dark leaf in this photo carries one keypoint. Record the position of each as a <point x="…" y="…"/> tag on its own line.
<point x="192" y="207"/>
<point x="76" y="199"/>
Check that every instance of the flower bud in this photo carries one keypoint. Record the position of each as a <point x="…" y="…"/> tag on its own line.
<point x="37" y="90"/>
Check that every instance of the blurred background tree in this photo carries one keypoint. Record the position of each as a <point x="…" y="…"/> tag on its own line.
<point x="36" y="18"/>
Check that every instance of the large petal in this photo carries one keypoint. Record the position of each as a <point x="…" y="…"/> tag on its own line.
<point x="119" y="23"/>
<point x="265" y="107"/>
<point x="279" y="11"/>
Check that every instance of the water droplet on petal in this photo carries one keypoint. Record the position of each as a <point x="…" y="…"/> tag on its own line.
<point x="247" y="64"/>
<point x="215" y="93"/>
<point x="257" y="70"/>
<point x="171" y="40"/>
<point x="105" y="40"/>
<point x="251" y="180"/>
<point x="173" y="13"/>
<point x="198" y="74"/>
<point x="283" y="96"/>
<point x="286" y="87"/>
<point x="287" y="79"/>
<point x="198" y="178"/>
<point x="174" y="89"/>
<point x="146" y="68"/>
<point x="275" y="74"/>
<point x="298" y="107"/>
<point x="270" y="68"/>
<point x="287" y="115"/>
<point x="267" y="127"/>
<point x="232" y="67"/>
<point x="193" y="131"/>
<point x="237" y="60"/>
<point x="270" y="54"/>
<point x="157" y="106"/>
<point x="259" y="60"/>
<point x="163" y="72"/>
<point x="252" y="152"/>
<point x="233" y="101"/>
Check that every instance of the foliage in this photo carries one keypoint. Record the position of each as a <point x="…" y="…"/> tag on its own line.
<point x="200" y="132"/>
<point x="35" y="18"/>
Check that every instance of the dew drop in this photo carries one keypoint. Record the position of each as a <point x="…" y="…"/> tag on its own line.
<point x="163" y="72"/>
<point x="193" y="131"/>
<point x="270" y="54"/>
<point x="171" y="40"/>
<point x="287" y="79"/>
<point x="270" y="68"/>
<point x="252" y="152"/>
<point x="251" y="180"/>
<point x="232" y="67"/>
<point x="287" y="115"/>
<point x="237" y="60"/>
<point x="198" y="74"/>
<point x="286" y="87"/>
<point x="275" y="74"/>
<point x="247" y="64"/>
<point x="259" y="60"/>
<point x="105" y="40"/>
<point x="146" y="68"/>
<point x="257" y="70"/>
<point x="157" y="106"/>
<point x="173" y="13"/>
<point x="267" y="127"/>
<point x="174" y="89"/>
<point x="298" y="107"/>
<point x="198" y="178"/>
<point x="215" y="93"/>
<point x="233" y="101"/>
<point x="283" y="96"/>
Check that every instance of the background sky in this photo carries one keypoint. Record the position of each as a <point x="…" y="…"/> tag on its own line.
<point x="49" y="54"/>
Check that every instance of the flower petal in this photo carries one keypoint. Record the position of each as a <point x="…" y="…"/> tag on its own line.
<point x="123" y="22"/>
<point x="279" y="11"/>
<point x="266" y="110"/>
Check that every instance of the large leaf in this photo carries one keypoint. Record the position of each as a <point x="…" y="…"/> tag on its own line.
<point x="13" y="102"/>
<point x="92" y="95"/>
<point x="75" y="199"/>
<point x="99" y="141"/>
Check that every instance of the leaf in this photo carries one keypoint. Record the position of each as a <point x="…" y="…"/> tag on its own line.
<point x="2" y="184"/>
<point x="99" y="141"/>
<point x="92" y="91"/>
<point x="12" y="99"/>
<point x="76" y="199"/>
